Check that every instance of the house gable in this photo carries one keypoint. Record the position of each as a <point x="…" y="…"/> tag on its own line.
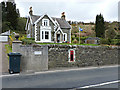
<point x="43" y="17"/>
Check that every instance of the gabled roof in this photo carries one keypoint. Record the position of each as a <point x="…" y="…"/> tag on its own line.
<point x="62" y="23"/>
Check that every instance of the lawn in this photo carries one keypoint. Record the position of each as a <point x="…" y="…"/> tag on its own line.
<point x="67" y="44"/>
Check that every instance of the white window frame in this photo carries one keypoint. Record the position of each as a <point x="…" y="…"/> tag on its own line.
<point x="65" y="37"/>
<point x="69" y="55"/>
<point x="43" y="39"/>
<point x="43" y="20"/>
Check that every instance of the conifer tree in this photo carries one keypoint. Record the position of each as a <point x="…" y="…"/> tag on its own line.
<point x="99" y="26"/>
<point x="12" y="14"/>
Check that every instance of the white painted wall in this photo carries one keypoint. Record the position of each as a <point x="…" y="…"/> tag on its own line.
<point x="3" y="38"/>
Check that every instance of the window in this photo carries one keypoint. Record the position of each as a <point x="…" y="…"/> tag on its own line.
<point x="71" y="55"/>
<point x="45" y="22"/>
<point x="46" y="35"/>
<point x="65" y="37"/>
<point x="42" y="35"/>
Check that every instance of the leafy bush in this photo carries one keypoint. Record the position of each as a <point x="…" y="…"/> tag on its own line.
<point x="117" y="36"/>
<point x="105" y="41"/>
<point x="83" y="38"/>
<point x="26" y="41"/>
<point x="30" y="39"/>
<point x="115" y="42"/>
<point x="110" y="41"/>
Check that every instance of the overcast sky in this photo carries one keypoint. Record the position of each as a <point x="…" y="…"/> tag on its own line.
<point x="77" y="10"/>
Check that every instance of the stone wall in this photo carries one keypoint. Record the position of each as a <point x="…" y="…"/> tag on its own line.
<point x="43" y="57"/>
<point x="84" y="56"/>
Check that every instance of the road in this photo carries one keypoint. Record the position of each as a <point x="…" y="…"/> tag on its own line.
<point x="99" y="77"/>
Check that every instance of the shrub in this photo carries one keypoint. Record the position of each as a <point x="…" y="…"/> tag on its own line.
<point x="75" y="41"/>
<point x="105" y="41"/>
<point x="25" y="41"/>
<point x="115" y="42"/>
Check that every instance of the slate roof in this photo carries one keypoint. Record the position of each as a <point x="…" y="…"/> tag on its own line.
<point x="63" y="23"/>
<point x="34" y="18"/>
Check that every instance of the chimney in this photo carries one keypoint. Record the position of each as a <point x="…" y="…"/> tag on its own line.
<point x="31" y="12"/>
<point x="63" y="15"/>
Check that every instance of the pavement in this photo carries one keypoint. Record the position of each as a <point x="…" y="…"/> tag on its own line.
<point x="94" y="77"/>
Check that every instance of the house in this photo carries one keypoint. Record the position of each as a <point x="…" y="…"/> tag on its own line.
<point x="92" y="40"/>
<point x="46" y="29"/>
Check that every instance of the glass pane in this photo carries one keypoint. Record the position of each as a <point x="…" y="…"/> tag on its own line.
<point x="46" y="35"/>
<point x="42" y="34"/>
<point x="45" y="23"/>
<point x="64" y="37"/>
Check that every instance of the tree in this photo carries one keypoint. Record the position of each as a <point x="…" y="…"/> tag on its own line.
<point x="12" y="15"/>
<point x="4" y="12"/>
<point x="110" y="33"/>
<point x="99" y="26"/>
<point x="21" y="24"/>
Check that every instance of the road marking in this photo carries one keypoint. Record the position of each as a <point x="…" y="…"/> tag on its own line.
<point x="101" y="84"/>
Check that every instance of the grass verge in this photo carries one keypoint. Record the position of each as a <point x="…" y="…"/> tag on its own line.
<point x="8" y="49"/>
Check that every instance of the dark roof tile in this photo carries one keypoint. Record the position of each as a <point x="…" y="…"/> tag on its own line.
<point x="63" y="23"/>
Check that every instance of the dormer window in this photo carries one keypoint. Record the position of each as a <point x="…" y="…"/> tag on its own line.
<point x="45" y="22"/>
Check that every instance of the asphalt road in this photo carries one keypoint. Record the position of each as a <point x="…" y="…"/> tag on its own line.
<point x="65" y="79"/>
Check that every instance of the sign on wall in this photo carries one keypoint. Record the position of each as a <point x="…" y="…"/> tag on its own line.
<point x="38" y="52"/>
<point x="3" y="38"/>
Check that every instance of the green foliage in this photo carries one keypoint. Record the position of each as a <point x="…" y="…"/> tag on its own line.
<point x="26" y="41"/>
<point x="12" y="15"/>
<point x="6" y="26"/>
<point x="99" y="26"/>
<point x="115" y="42"/>
<point x="9" y="16"/>
<point x="29" y="38"/>
<point x="21" y="25"/>
<point x="110" y="33"/>
<point x="68" y="44"/>
<point x="104" y="41"/>
<point x="117" y="36"/>
<point x="110" y="41"/>
<point x="8" y="48"/>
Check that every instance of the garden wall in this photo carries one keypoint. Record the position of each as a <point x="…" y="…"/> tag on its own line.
<point x="43" y="57"/>
<point x="84" y="56"/>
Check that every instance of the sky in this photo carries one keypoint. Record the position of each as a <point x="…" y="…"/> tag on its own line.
<point x="75" y="10"/>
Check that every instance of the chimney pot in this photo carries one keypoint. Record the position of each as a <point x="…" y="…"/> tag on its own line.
<point x="31" y="11"/>
<point x="63" y="15"/>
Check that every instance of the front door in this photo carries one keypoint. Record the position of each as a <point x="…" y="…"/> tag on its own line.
<point x="58" y="38"/>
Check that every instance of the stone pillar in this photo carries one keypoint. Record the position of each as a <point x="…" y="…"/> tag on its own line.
<point x="16" y="46"/>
